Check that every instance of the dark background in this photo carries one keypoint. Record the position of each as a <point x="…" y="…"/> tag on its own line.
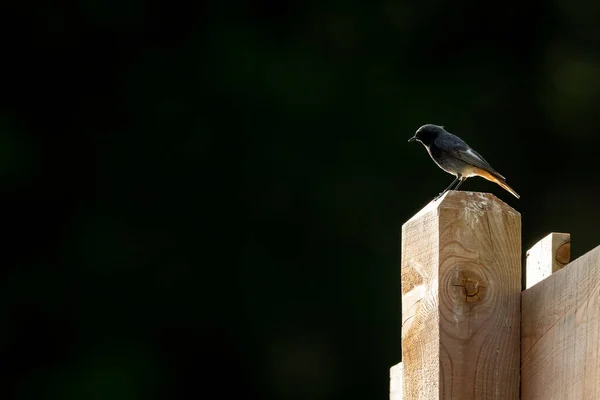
<point x="210" y="196"/>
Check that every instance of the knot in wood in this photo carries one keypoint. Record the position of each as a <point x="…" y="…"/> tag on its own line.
<point x="471" y="285"/>
<point x="471" y="290"/>
<point x="563" y="253"/>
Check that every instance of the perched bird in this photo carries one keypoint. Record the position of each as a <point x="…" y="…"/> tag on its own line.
<point x="455" y="157"/>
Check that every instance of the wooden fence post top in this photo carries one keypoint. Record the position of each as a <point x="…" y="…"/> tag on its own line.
<point x="471" y="201"/>
<point x="546" y="257"/>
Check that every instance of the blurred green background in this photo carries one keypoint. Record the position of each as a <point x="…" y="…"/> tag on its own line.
<point x="210" y="195"/>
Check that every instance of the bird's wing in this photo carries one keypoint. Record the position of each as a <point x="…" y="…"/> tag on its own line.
<point x="457" y="148"/>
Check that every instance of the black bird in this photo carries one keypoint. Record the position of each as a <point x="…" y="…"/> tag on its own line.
<point x="455" y="157"/>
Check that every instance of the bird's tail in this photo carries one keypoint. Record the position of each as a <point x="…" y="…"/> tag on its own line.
<point x="490" y="177"/>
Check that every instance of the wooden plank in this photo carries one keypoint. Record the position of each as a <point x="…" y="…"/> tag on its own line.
<point x="560" y="333"/>
<point x="547" y="256"/>
<point x="461" y="283"/>
<point x="420" y="321"/>
<point x="396" y="382"/>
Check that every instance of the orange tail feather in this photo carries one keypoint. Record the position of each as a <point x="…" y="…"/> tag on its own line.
<point x="486" y="175"/>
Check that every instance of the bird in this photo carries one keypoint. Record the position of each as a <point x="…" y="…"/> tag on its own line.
<point x="455" y="157"/>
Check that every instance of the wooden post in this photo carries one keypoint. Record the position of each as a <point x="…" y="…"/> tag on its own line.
<point x="461" y="284"/>
<point x="560" y="343"/>
<point x="546" y="257"/>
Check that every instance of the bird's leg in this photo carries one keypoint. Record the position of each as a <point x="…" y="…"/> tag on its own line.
<point x="460" y="183"/>
<point x="458" y="177"/>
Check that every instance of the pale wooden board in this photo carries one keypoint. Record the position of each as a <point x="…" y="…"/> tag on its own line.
<point x="461" y="281"/>
<point x="420" y="321"/>
<point x="560" y="354"/>
<point x="396" y="382"/>
<point x="546" y="257"/>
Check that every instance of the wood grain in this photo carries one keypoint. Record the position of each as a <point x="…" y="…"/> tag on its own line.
<point x="461" y="281"/>
<point x="420" y="317"/>
<point x="546" y="257"/>
<point x="561" y="333"/>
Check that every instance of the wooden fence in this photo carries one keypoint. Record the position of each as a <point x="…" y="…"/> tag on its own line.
<point x="470" y="332"/>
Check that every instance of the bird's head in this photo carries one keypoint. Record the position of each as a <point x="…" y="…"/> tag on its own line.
<point x="427" y="134"/>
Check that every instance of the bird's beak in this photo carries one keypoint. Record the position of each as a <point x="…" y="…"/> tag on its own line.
<point x="413" y="139"/>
